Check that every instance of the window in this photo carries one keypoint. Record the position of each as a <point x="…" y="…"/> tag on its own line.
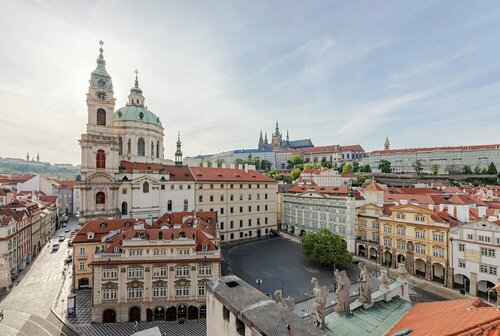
<point x="265" y="207"/>
<point x="241" y="209"/>
<point x="183" y="251"/>
<point x="241" y="223"/>
<point x="488" y="269"/>
<point x="400" y="215"/>
<point x="135" y="272"/>
<point x="487" y="252"/>
<point x="265" y="220"/>
<point x="159" y="252"/>
<point x="169" y="206"/>
<point x="401" y="245"/>
<point x="401" y="231"/>
<point x="420" y="249"/>
<point x="258" y="207"/>
<point x="437" y="237"/>
<point x="420" y="234"/>
<point x="182" y="291"/>
<point x="387" y="229"/>
<point x="108" y="294"/>
<point x="461" y="247"/>
<point x="82" y="250"/>
<point x="222" y="198"/>
<point x="222" y="225"/>
<point x="101" y="117"/>
<point x="124" y="191"/>
<point x="129" y="146"/>
<point x="249" y="197"/>
<point x="485" y="239"/>
<point x="152" y="148"/>
<point x="160" y="292"/>
<point x="420" y="218"/>
<point x="201" y="290"/>
<point x="388" y="242"/>
<point x="205" y="270"/>
<point x="145" y="187"/>
<point x="82" y="266"/>
<point x="186" y="204"/>
<point x="221" y="211"/>
<point x="109" y="273"/>
<point x="231" y="210"/>
<point x="160" y="272"/>
<point x="265" y="196"/>
<point x="200" y="198"/>
<point x="135" y="253"/>
<point x="211" y="198"/>
<point x="250" y="208"/>
<point x="461" y="263"/>
<point x="470" y="236"/>
<point x="182" y="271"/>
<point x="438" y="252"/>
<point x="231" y="224"/>
<point x="157" y="149"/>
<point x="141" y="147"/>
<point x="250" y="222"/>
<point x="231" y="197"/>
<point x="124" y="208"/>
<point x="135" y="293"/>
<point x="100" y="159"/>
<point x="241" y="197"/>
<point x="100" y="198"/>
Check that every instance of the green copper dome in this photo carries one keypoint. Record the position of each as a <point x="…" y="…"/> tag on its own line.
<point x="136" y="113"/>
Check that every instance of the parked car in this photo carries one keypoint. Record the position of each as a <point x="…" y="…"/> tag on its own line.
<point x="55" y="247"/>
<point x="64" y="225"/>
<point x="67" y="230"/>
<point x="62" y="237"/>
<point x="70" y="242"/>
<point x="68" y="259"/>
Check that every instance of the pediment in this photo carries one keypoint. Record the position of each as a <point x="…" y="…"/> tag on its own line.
<point x="100" y="178"/>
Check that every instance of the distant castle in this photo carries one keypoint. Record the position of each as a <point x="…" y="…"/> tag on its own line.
<point x="277" y="142"/>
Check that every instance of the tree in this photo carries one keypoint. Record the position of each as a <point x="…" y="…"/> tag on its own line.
<point x="294" y="160"/>
<point x="384" y="166"/>
<point x="274" y="173"/>
<point x="295" y="174"/>
<point x="346" y="169"/>
<point x="208" y="162"/>
<point x="355" y="167"/>
<point x="467" y="170"/>
<point x="238" y="161"/>
<point x="309" y="165"/>
<point x="477" y="170"/>
<point x="265" y="165"/>
<point x="492" y="169"/>
<point x="219" y="162"/>
<point x="326" y="247"/>
<point x="325" y="164"/>
<point x="366" y="168"/>
<point x="435" y="168"/>
<point x="417" y="166"/>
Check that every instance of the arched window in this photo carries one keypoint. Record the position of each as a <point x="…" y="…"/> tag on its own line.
<point x="152" y="148"/>
<point x="129" y="146"/>
<point x="157" y="149"/>
<point x="124" y="208"/>
<point x="120" y="146"/>
<point x="100" y="198"/>
<point x="101" y="117"/>
<point x="186" y="205"/>
<point x="141" y="147"/>
<point x="145" y="187"/>
<point x="169" y="206"/>
<point x="100" y="159"/>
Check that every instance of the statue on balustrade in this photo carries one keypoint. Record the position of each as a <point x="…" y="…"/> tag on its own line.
<point x="342" y="293"/>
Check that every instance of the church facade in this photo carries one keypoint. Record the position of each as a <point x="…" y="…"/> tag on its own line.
<point x="123" y="170"/>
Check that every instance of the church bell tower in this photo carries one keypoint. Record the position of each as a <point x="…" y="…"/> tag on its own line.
<point x="99" y="148"/>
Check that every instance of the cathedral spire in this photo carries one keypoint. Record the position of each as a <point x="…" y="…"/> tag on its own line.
<point x="387" y="144"/>
<point x="261" y="141"/>
<point x="287" y="138"/>
<point x="178" y="152"/>
<point x="277" y="129"/>
<point x="101" y="64"/>
<point x="265" y="140"/>
<point x="136" y="98"/>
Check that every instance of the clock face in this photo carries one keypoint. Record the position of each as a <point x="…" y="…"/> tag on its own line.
<point x="101" y="82"/>
<point x="101" y="95"/>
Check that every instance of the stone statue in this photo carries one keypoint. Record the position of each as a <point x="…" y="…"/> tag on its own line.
<point x="287" y="303"/>
<point x="320" y="295"/>
<point x="402" y="274"/>
<point x="384" y="281"/>
<point x="342" y="293"/>
<point x="364" y="288"/>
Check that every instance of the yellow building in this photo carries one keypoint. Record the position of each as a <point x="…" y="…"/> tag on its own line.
<point x="412" y="235"/>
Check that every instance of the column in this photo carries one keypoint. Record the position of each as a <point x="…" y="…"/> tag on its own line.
<point x="473" y="284"/>
<point x="428" y="269"/>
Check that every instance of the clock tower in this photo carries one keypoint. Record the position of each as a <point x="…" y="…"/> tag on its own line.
<point x="99" y="148"/>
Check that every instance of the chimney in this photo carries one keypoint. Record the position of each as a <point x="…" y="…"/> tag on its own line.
<point x="245" y="167"/>
<point x="232" y="166"/>
<point x="441" y="207"/>
<point x="451" y="210"/>
<point x="251" y="167"/>
<point x="481" y="211"/>
<point x="240" y="166"/>
<point x="205" y="164"/>
<point x="431" y="207"/>
<point x="223" y="165"/>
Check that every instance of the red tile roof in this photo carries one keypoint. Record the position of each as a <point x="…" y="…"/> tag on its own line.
<point x="176" y="173"/>
<point x="319" y="149"/>
<point x="328" y="190"/>
<point x="454" y="317"/>
<point x="351" y="148"/>
<point x="429" y="149"/>
<point x="67" y="184"/>
<point x="203" y="174"/>
<point x="373" y="186"/>
<point x="100" y="228"/>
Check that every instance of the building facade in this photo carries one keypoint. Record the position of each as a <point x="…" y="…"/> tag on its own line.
<point x="245" y="201"/>
<point x="448" y="159"/>
<point x="327" y="177"/>
<point x="312" y="208"/>
<point x="475" y="251"/>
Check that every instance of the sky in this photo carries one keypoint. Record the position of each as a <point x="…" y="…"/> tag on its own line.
<point x="423" y="73"/>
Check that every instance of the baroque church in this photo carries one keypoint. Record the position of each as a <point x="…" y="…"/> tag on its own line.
<point x="123" y="170"/>
<point x="277" y="142"/>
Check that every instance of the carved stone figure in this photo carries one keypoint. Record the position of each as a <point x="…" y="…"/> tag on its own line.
<point x="365" y="291"/>
<point x="320" y="295"/>
<point x="287" y="303"/>
<point x="342" y="293"/>
<point x="402" y="274"/>
<point x="384" y="281"/>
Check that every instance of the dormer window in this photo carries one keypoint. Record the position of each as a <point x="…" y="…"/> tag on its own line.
<point x="90" y="235"/>
<point x="103" y="225"/>
<point x="204" y="248"/>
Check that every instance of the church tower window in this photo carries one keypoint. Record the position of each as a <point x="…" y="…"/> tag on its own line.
<point x="152" y="149"/>
<point x="124" y="208"/>
<point x="141" y="147"/>
<point x="185" y="205"/>
<point x="101" y="117"/>
<point x="100" y="198"/>
<point x="157" y="149"/>
<point x="120" y="146"/>
<point x="169" y="206"/>
<point x="129" y="146"/>
<point x="145" y="187"/>
<point x="100" y="159"/>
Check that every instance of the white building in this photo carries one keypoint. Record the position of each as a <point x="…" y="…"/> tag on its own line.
<point x="448" y="159"/>
<point x="312" y="208"/>
<point x="327" y="177"/>
<point x="476" y="251"/>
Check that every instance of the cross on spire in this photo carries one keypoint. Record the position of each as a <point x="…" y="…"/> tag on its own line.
<point x="136" y="79"/>
<point x="101" y="42"/>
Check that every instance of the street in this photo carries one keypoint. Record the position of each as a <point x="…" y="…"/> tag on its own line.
<point x="27" y="307"/>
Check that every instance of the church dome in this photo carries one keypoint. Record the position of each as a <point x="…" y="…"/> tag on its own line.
<point x="136" y="113"/>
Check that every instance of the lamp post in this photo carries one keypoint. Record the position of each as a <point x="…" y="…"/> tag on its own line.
<point x="258" y="282"/>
